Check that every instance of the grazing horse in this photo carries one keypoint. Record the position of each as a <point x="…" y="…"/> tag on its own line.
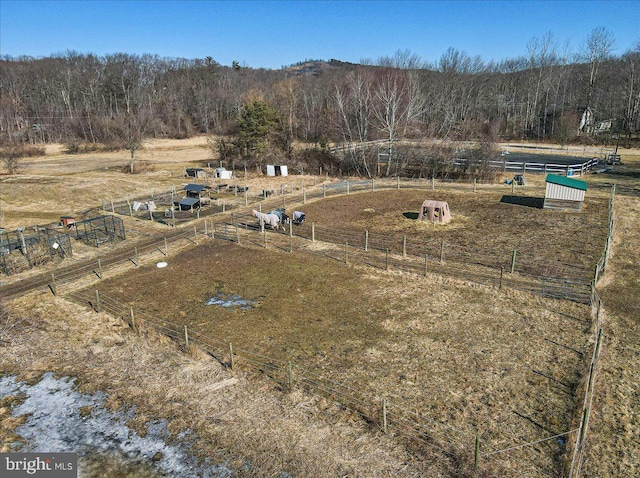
<point x="271" y="220"/>
<point x="282" y="216"/>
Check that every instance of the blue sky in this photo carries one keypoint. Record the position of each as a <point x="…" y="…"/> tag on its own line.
<point x="272" y="34"/>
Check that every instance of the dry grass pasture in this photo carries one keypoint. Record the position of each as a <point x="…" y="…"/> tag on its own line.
<point x="465" y="360"/>
<point x="471" y="359"/>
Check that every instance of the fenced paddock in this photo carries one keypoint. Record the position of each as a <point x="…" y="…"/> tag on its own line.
<point x="101" y="229"/>
<point x="391" y="402"/>
<point x="446" y="410"/>
<point x="438" y="373"/>
<point x="488" y="241"/>
<point x="20" y="251"/>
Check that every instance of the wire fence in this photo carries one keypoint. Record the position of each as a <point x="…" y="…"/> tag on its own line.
<point x="580" y="443"/>
<point x="433" y="257"/>
<point x="459" y="449"/>
<point x="455" y="446"/>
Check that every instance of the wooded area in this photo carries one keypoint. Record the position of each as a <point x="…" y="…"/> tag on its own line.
<point x="115" y="101"/>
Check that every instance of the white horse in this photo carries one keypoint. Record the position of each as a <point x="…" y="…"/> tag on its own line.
<point x="271" y="220"/>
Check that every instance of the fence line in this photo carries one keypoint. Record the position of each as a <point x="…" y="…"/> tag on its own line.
<point x="579" y="446"/>
<point x="411" y="258"/>
<point x="334" y="389"/>
<point x="453" y="443"/>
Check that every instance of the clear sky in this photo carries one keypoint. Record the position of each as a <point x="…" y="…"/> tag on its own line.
<point x="272" y="34"/>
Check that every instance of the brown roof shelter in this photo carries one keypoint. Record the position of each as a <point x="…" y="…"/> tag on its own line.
<point x="435" y="211"/>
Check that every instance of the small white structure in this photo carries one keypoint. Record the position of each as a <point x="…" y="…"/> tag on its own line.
<point x="222" y="173"/>
<point x="564" y="193"/>
<point x="276" y="170"/>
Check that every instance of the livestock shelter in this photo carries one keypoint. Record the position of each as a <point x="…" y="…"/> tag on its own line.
<point x="101" y="229"/>
<point x="189" y="204"/>
<point x="276" y="170"/>
<point x="222" y="173"/>
<point x="564" y="193"/>
<point x="435" y="211"/>
<point x="201" y="192"/>
<point x="195" y="173"/>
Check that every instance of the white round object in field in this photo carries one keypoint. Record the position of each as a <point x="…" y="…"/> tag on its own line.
<point x="161" y="265"/>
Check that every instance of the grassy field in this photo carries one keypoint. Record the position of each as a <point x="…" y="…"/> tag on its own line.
<point x="504" y="365"/>
<point x="500" y="364"/>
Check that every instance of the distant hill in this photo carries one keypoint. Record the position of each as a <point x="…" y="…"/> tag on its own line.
<point x="317" y="67"/>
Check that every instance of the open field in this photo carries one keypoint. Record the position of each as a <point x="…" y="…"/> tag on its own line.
<point x="468" y="360"/>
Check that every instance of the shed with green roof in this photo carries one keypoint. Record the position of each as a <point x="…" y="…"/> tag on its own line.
<point x="564" y="193"/>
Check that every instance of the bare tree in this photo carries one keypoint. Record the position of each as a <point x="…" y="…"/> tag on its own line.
<point x="597" y="48"/>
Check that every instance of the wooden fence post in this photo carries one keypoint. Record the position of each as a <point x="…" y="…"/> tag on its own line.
<point x="474" y="184"/>
<point x="366" y="240"/>
<point x="324" y="191"/>
<point x="442" y="251"/>
<point x="397" y="182"/>
<point x="384" y="415"/>
<point x="186" y="336"/>
<point x="304" y="195"/>
<point x="289" y="376"/>
<point x="97" y="301"/>
<point x="99" y="269"/>
<point x="476" y="455"/>
<point x="513" y="260"/>
<point x="53" y="284"/>
<point x="166" y="250"/>
<point x="404" y="246"/>
<point x="313" y="232"/>
<point x="264" y="237"/>
<point x="433" y="183"/>
<point x="133" y="320"/>
<point x="373" y="184"/>
<point x="246" y="198"/>
<point x="231" y="356"/>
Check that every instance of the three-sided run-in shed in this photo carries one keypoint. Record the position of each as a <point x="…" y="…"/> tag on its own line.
<point x="564" y="193"/>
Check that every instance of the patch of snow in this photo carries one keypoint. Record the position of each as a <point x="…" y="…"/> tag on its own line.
<point x="230" y="301"/>
<point x="54" y="423"/>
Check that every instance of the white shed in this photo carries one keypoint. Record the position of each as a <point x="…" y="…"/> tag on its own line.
<point x="276" y="170"/>
<point x="564" y="193"/>
<point x="222" y="173"/>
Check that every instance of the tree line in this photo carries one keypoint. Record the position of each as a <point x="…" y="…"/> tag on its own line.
<point x="256" y="115"/>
